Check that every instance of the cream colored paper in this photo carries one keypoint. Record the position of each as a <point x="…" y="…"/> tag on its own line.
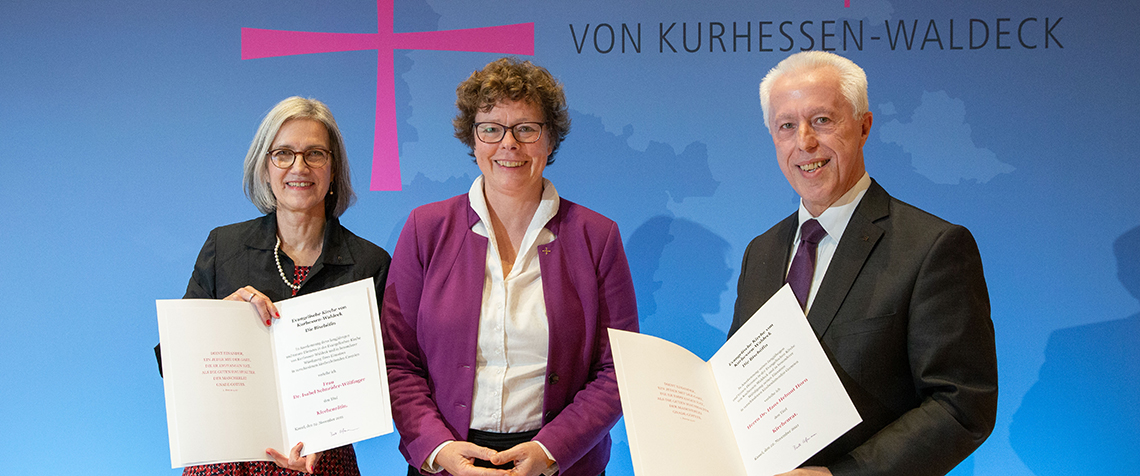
<point x="763" y="404"/>
<point x="235" y="387"/>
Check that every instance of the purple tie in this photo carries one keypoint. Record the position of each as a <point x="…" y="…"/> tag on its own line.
<point x="803" y="264"/>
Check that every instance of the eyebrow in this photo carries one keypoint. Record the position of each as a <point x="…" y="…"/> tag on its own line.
<point x="821" y="110"/>
<point x="524" y="121"/>
<point x="301" y="149"/>
<point x="827" y="111"/>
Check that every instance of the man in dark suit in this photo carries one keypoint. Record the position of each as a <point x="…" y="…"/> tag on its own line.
<point x="897" y="296"/>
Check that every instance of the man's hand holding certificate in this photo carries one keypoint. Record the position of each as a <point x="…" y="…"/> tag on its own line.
<point x="765" y="403"/>
<point x="235" y="387"/>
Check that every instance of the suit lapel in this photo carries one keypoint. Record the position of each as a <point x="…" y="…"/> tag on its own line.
<point x="785" y="235"/>
<point x="551" y="266"/>
<point x="859" y="239"/>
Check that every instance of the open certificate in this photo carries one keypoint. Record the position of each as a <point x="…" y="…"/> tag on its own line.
<point x="235" y="387"/>
<point x="766" y="402"/>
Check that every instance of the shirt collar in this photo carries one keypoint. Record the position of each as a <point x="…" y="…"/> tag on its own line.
<point x="334" y="251"/>
<point x="834" y="219"/>
<point x="547" y="208"/>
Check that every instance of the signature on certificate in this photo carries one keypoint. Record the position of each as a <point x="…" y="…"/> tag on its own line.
<point x="801" y="443"/>
<point x="342" y="431"/>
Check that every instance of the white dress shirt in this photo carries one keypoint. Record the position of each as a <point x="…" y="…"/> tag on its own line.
<point x="834" y="221"/>
<point x="514" y="336"/>
<point x="510" y="362"/>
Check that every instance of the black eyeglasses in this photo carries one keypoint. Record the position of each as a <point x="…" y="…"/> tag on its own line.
<point x="523" y="132"/>
<point x="315" y="158"/>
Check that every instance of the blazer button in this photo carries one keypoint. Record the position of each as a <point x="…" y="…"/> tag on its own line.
<point x="553" y="379"/>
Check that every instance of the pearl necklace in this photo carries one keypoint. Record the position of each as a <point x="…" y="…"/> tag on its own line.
<point x="277" y="258"/>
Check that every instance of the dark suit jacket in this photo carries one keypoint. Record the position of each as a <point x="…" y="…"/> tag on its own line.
<point x="241" y="254"/>
<point x="904" y="315"/>
<point x="431" y="325"/>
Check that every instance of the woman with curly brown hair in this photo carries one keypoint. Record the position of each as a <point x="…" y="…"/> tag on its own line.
<point x="498" y="301"/>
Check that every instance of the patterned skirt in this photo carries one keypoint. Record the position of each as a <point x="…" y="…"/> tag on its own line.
<point x="335" y="462"/>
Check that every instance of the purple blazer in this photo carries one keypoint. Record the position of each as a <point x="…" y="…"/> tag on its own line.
<point x="430" y="320"/>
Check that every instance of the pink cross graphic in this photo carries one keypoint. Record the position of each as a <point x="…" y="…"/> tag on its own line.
<point x="515" y="39"/>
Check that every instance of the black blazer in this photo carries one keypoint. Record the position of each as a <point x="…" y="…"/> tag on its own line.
<point x="241" y="254"/>
<point x="903" y="314"/>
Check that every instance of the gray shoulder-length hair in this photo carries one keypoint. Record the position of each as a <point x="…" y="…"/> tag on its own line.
<point x="255" y="178"/>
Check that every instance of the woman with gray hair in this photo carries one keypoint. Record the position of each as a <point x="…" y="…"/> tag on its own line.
<point x="296" y="173"/>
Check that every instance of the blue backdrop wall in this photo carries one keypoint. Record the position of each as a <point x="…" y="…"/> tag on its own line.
<point x="123" y="125"/>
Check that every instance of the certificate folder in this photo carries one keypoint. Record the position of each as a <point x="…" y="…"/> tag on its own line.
<point x="763" y="404"/>
<point x="235" y="387"/>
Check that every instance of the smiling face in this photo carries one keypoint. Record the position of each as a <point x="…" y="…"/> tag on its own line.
<point x="509" y="167"/>
<point x="819" y="144"/>
<point x="300" y="188"/>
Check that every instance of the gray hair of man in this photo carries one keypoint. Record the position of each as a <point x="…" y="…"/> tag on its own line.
<point x="255" y="179"/>
<point x="852" y="79"/>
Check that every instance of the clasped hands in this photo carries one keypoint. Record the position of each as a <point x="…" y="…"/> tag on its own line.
<point x="458" y="458"/>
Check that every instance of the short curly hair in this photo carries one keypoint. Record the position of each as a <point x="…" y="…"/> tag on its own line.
<point x="508" y="79"/>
